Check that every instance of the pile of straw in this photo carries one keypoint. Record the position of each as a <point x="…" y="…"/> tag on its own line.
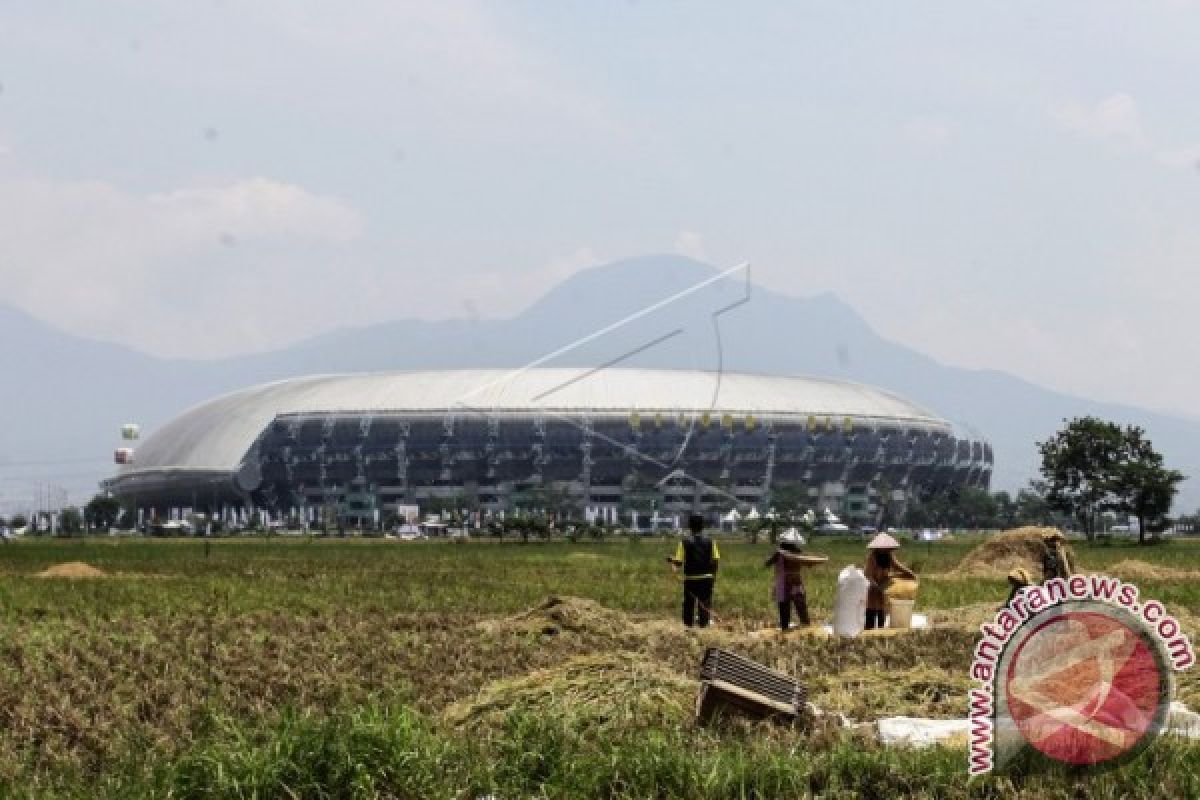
<point x="592" y="692"/>
<point x="1020" y="547"/>
<point x="557" y="615"/>
<point x="1131" y="569"/>
<point x="876" y="690"/>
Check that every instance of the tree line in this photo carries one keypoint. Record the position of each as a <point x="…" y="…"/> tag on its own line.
<point x="1092" y="466"/>
<point x="1089" y="468"/>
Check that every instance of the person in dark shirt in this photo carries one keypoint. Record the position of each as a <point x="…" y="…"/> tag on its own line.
<point x="699" y="558"/>
<point x="1056" y="563"/>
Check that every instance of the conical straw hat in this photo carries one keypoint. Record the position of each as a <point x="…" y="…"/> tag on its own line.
<point x="883" y="542"/>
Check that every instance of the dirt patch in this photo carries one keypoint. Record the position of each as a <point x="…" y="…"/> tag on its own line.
<point x="72" y="569"/>
<point x="589" y="691"/>
<point x="1002" y="552"/>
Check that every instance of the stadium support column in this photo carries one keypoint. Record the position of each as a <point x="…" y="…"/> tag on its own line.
<point x="491" y="452"/>
<point x="844" y="479"/>
<point x="769" y="472"/>
<point x="364" y="433"/>
<point x="906" y="481"/>
<point x="445" y="449"/>
<point x="727" y="435"/>
<point x="585" y="469"/>
<point x="538" y="448"/>
<point x="364" y="485"/>
<point x="402" y="461"/>
<point x="631" y="485"/>
<point x="327" y="423"/>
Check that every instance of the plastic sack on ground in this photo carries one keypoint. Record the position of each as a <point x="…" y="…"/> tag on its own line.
<point x="917" y="732"/>
<point x="850" y="604"/>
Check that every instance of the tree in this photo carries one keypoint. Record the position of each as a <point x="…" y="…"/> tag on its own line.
<point x="1140" y="484"/>
<point x="1079" y="464"/>
<point x="885" y="504"/>
<point x="972" y="508"/>
<point x="18" y="521"/>
<point x="552" y="500"/>
<point x="790" y="501"/>
<point x="1031" y="505"/>
<point x="70" y="521"/>
<point x="1092" y="466"/>
<point x="774" y="524"/>
<point x="101" y="512"/>
<point x="956" y="507"/>
<point x="1006" y="510"/>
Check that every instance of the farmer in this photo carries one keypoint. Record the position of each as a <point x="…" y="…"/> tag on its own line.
<point x="1055" y="561"/>
<point x="881" y="568"/>
<point x="789" y="578"/>
<point x="699" y="557"/>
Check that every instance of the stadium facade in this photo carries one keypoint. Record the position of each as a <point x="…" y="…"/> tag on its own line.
<point x="605" y="441"/>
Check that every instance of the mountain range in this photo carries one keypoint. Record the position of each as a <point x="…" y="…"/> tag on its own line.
<point x="66" y="396"/>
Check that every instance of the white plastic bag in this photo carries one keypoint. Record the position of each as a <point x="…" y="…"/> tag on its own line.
<point x="850" y="605"/>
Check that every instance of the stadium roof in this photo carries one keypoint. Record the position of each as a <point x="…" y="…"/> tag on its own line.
<point x="217" y="434"/>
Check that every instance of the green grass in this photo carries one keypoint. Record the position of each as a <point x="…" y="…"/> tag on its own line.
<point x="379" y="752"/>
<point x="300" y="574"/>
<point x="319" y="668"/>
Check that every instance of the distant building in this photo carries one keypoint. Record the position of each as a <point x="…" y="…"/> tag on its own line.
<point x="604" y="442"/>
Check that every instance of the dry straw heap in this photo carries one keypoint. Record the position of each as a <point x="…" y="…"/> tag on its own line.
<point x="1023" y="547"/>
<point x="593" y="690"/>
<point x="1003" y="552"/>
<point x="557" y="615"/>
<point x="1131" y="569"/>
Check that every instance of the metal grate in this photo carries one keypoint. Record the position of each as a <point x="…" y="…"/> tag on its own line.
<point x="722" y="665"/>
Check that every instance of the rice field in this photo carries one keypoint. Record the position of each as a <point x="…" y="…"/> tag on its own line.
<point x="293" y="667"/>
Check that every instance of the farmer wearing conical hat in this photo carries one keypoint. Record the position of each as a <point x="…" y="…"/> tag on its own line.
<point x="789" y="578"/>
<point x="1055" y="561"/>
<point x="882" y="567"/>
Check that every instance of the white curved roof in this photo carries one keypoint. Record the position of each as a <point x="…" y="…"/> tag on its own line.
<point x="215" y="435"/>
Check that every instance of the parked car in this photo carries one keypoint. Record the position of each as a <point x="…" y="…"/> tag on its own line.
<point x="407" y="533"/>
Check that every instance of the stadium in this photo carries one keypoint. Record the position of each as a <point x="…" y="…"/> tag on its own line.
<point x="604" y="442"/>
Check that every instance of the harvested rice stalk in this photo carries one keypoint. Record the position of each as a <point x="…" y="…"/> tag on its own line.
<point x="869" y="692"/>
<point x="1002" y="552"/>
<point x="596" y="690"/>
<point x="557" y="615"/>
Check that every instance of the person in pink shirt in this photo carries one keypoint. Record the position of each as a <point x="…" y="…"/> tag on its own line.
<point x="789" y="588"/>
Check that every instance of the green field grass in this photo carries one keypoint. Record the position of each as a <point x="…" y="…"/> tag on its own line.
<point x="322" y="668"/>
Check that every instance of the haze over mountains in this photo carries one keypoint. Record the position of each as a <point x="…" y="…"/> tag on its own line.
<point x="66" y="396"/>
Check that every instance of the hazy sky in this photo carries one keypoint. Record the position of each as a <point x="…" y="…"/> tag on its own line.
<point x="1006" y="185"/>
